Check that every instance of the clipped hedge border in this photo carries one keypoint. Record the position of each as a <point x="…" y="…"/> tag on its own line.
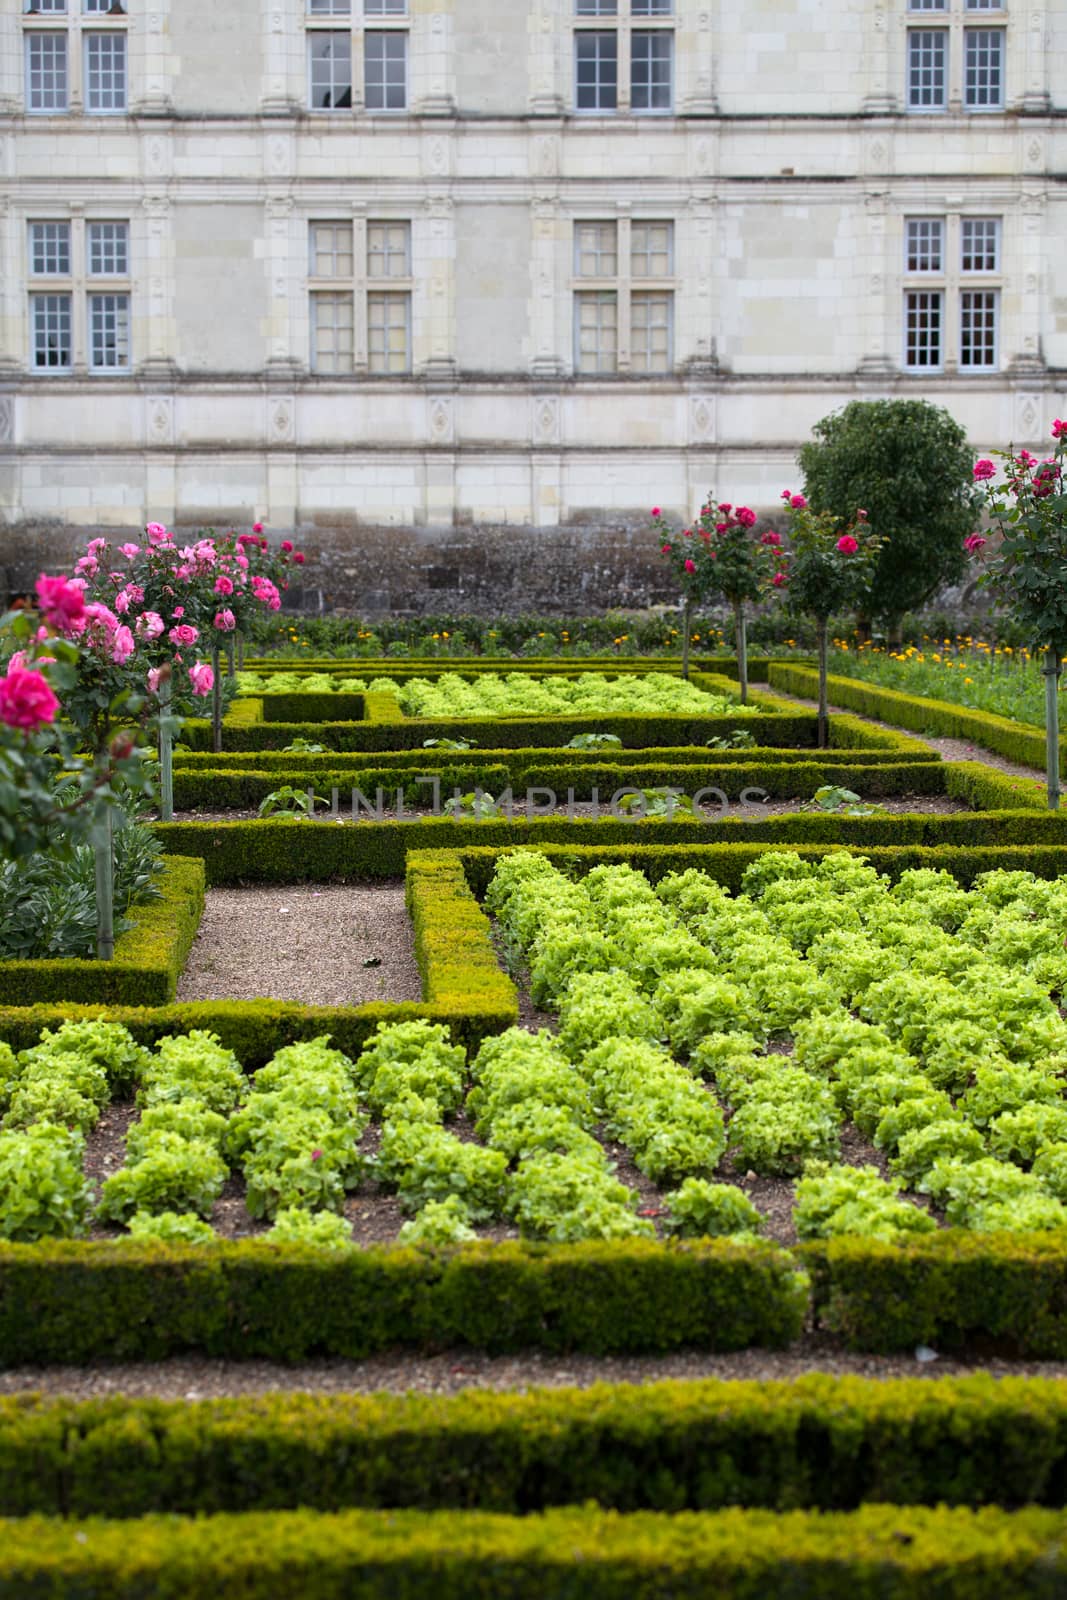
<point x="1017" y="741"/>
<point x="463" y="987"/>
<point x="793" y="728"/>
<point x="598" y="774"/>
<point x="316" y="852"/>
<point x="945" y="1289"/>
<point x="69" y="1301"/>
<point x="913" y="1553"/>
<point x="817" y="1442"/>
<point x="148" y="957"/>
<point x="543" y="666"/>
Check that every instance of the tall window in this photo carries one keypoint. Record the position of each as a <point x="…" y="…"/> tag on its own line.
<point x="63" y="264"/>
<point x="105" y="71"/>
<point x="379" y="284"/>
<point x="954" y="58"/>
<point x="927" y="69"/>
<point x="623" y="297"/>
<point x="952" y="285"/>
<point x="75" y="50"/>
<point x="107" y="248"/>
<point x="983" y="69"/>
<point x="46" y="72"/>
<point x="629" y="65"/>
<point x="365" y="63"/>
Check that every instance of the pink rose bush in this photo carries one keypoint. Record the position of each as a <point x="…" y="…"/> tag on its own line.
<point x="719" y="558"/>
<point x="27" y="699"/>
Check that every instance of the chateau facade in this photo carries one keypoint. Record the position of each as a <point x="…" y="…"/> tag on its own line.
<point x="422" y="264"/>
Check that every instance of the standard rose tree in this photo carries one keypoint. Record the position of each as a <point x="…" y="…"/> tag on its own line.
<point x="827" y="568"/>
<point x="1027" y="570"/>
<point x="718" y="558"/>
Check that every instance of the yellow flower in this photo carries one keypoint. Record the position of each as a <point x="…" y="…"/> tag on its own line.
<point x="968" y="680"/>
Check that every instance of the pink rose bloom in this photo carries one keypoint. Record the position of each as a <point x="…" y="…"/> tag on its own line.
<point x="17" y="662"/>
<point x="984" y="469"/>
<point x="778" y="580"/>
<point x="223" y="585"/>
<point x="798" y="502"/>
<point x="266" y="593"/>
<point x="848" y="545"/>
<point x="201" y="677"/>
<point x="150" y="624"/>
<point x="247" y="538"/>
<point x="102" y="616"/>
<point x="225" y="621"/>
<point x="154" y="675"/>
<point x="157" y="533"/>
<point x="1059" y="428"/>
<point x="60" y="602"/>
<point x="656" y="511"/>
<point x="130" y="550"/>
<point x="287" y="546"/>
<point x="122" y="601"/>
<point x="178" y="613"/>
<point x="27" y="700"/>
<point x="690" y="566"/>
<point x="665" y="549"/>
<point x="973" y="543"/>
<point x="122" y="645"/>
<point x="725" y="507"/>
<point x="298" y="557"/>
<point x="135" y="592"/>
<point x="242" y="562"/>
<point x="206" y="553"/>
<point x="786" y="495"/>
<point x="257" y="527"/>
<point x="183" y="634"/>
<point x="95" y="546"/>
<point x="745" y="517"/>
<point x="87" y="564"/>
<point x="1025" y="459"/>
<point x="770" y="537"/>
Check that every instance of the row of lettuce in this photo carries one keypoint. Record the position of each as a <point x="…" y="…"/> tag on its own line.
<point x="920" y="1012"/>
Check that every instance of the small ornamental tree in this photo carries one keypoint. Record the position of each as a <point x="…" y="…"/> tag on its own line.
<point x="718" y="558"/>
<point x="1027" y="570"/>
<point x="909" y="463"/>
<point x="830" y="568"/>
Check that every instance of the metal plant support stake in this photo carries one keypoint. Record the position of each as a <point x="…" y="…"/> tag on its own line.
<point x="166" y="753"/>
<point x="1052" y="669"/>
<point x="103" y="854"/>
<point x="742" y="650"/>
<point x="216" y="702"/>
<point x="824" y="719"/>
<point x="687" y="612"/>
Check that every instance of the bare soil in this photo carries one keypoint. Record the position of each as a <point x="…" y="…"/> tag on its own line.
<point x="320" y="944"/>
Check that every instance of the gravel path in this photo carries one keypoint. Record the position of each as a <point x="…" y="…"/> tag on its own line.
<point x="947" y="749"/>
<point x="325" y="945"/>
<point x="452" y="1371"/>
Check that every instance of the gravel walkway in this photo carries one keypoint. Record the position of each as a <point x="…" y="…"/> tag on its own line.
<point x="452" y="1371"/>
<point x="947" y="749"/>
<point x="325" y="945"/>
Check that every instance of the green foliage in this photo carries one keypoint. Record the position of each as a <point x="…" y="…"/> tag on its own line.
<point x="440" y="1222"/>
<point x="595" y="741"/>
<point x="921" y="1149"/>
<point x="192" y="1066"/>
<point x="171" y="1227"/>
<point x="702" y="1209"/>
<point x="172" y="1174"/>
<point x="288" y="801"/>
<point x="908" y="464"/>
<point x="294" y="1225"/>
<point x="561" y="1198"/>
<point x="854" y="1201"/>
<point x="43" y="1191"/>
<point x="50" y="900"/>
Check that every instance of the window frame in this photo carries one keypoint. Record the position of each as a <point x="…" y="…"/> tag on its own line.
<point x="613" y="261"/>
<point x="971" y="38"/>
<point x="927" y="107"/>
<point x="60" y="37"/>
<point x="640" y="36"/>
<point x="91" y="39"/>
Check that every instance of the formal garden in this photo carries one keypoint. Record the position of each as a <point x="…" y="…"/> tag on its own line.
<point x="543" y="1107"/>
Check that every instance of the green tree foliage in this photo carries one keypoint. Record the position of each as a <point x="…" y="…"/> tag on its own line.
<point x="908" y="464"/>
